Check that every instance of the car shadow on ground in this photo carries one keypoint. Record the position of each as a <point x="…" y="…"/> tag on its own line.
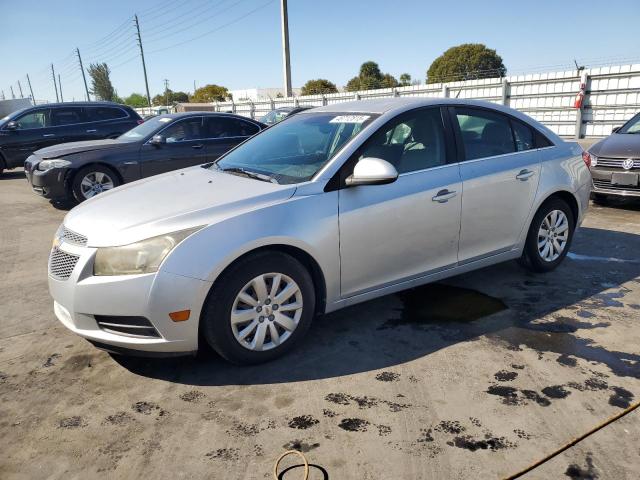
<point x="503" y="303"/>
<point x="11" y="175"/>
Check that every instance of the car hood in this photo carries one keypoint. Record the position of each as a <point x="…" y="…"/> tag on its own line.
<point x="63" y="149"/>
<point x="618" y="145"/>
<point x="170" y="202"/>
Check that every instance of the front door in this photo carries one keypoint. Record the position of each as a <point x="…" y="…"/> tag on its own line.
<point x="33" y="133"/>
<point x="500" y="175"/>
<point x="409" y="228"/>
<point x="184" y="146"/>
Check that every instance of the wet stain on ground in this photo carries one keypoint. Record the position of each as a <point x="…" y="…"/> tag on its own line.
<point x="387" y="376"/>
<point x="3" y="377"/>
<point x="536" y="397"/>
<point x="72" y="422"/>
<point x="364" y="402"/>
<point x="450" y="426"/>
<point x="226" y="454"/>
<point x="475" y="422"/>
<point x="300" y="446"/>
<point x="303" y="422"/>
<point x="51" y="360"/>
<point x="505" y="376"/>
<point x="328" y="413"/>
<point x="120" y="418"/>
<point x="517" y="367"/>
<point x="384" y="430"/>
<point x="522" y="434"/>
<point x="437" y="302"/>
<point x="576" y="472"/>
<point x="489" y="442"/>
<point x="426" y="436"/>
<point x="192" y="396"/>
<point x="594" y="383"/>
<point x="556" y="391"/>
<point x="565" y="359"/>
<point x="621" y="397"/>
<point x="145" y="408"/>
<point x="354" y="424"/>
<point x="509" y="395"/>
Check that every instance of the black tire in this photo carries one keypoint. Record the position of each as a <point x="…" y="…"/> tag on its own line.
<point x="76" y="188"/>
<point x="531" y="257"/>
<point x="600" y="199"/>
<point x="215" y="321"/>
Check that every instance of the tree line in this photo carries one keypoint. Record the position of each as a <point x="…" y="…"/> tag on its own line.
<point x="463" y="62"/>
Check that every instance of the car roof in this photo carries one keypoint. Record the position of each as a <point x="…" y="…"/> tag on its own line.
<point x="384" y="105"/>
<point x="80" y="104"/>
<point x="204" y="113"/>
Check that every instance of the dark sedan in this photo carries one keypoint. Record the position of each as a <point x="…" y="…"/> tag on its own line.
<point x="615" y="162"/>
<point x="30" y="129"/>
<point x="166" y="142"/>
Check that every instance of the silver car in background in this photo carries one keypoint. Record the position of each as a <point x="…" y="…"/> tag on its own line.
<point x="333" y="207"/>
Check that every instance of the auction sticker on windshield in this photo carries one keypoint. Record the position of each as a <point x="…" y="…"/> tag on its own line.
<point x="350" y="119"/>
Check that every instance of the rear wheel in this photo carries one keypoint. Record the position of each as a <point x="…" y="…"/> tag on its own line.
<point x="259" y="309"/>
<point x="549" y="237"/>
<point x="93" y="180"/>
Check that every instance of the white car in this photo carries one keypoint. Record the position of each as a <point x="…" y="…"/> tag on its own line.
<point x="334" y="206"/>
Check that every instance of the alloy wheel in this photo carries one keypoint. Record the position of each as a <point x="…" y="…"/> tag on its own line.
<point x="94" y="183"/>
<point x="266" y="311"/>
<point x="553" y="235"/>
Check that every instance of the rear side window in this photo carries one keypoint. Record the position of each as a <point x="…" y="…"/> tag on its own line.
<point x="484" y="133"/>
<point x="66" y="116"/>
<point x="226" y="127"/>
<point x="523" y="136"/>
<point x="33" y="119"/>
<point x="96" y="114"/>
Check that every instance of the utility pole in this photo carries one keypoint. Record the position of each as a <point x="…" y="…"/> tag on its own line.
<point x="166" y="92"/>
<point x="60" y="84"/>
<point x="20" y="87"/>
<point x="144" y="66"/>
<point x="2" y="91"/>
<point x="84" y="78"/>
<point x="55" y="85"/>
<point x="194" y="86"/>
<point x="12" y="94"/>
<point x="285" y="48"/>
<point x="33" y="98"/>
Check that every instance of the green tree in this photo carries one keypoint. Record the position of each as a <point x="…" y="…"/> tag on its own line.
<point x="136" y="100"/>
<point x="210" y="93"/>
<point x="405" y="80"/>
<point x="370" y="77"/>
<point x="318" y="87"/>
<point x="465" y="62"/>
<point x="101" y="85"/>
<point x="169" y="98"/>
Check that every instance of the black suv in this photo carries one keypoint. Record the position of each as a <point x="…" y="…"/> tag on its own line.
<point x="30" y="129"/>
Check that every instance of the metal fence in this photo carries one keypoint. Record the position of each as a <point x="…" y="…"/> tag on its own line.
<point x="611" y="96"/>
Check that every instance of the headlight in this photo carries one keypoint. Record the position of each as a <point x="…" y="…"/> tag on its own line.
<point x="594" y="160"/>
<point x="45" y="165"/>
<point x="140" y="257"/>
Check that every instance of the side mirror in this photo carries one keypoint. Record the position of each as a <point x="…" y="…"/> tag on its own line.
<point x="12" y="125"/>
<point x="372" y="171"/>
<point x="615" y="129"/>
<point x="157" y="140"/>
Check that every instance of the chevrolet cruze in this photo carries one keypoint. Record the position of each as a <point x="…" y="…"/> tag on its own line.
<point x="335" y="206"/>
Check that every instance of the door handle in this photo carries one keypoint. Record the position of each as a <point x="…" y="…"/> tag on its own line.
<point x="444" y="196"/>
<point x="48" y="135"/>
<point x="198" y="146"/>
<point x="525" y="175"/>
<point x="93" y="130"/>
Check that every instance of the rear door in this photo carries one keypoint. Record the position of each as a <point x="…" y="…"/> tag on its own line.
<point x="224" y="133"/>
<point x="107" y="121"/>
<point x="33" y="133"/>
<point x="69" y="124"/>
<point x="500" y="173"/>
<point x="184" y="146"/>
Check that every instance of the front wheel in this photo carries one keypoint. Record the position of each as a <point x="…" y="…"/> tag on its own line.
<point x="549" y="236"/>
<point x="93" y="180"/>
<point x="259" y="308"/>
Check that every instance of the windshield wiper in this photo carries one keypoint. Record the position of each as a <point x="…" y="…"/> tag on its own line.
<point x="250" y="174"/>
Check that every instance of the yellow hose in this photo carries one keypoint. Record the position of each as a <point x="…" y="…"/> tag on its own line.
<point x="573" y="442"/>
<point x="291" y="452"/>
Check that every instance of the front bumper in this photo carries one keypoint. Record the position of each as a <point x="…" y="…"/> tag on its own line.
<point x="83" y="296"/>
<point x="602" y="183"/>
<point x="50" y="184"/>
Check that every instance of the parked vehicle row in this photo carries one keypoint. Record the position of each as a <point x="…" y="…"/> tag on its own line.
<point x="163" y="143"/>
<point x="332" y="207"/>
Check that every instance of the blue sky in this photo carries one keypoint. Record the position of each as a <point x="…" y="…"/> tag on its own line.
<point x="329" y="39"/>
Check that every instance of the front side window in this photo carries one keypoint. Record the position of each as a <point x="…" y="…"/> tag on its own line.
<point x="184" y="130"/>
<point x="295" y="150"/>
<point x="33" y="119"/>
<point x="414" y="141"/>
<point x="484" y="133"/>
<point x="632" y="126"/>
<point x="229" y="127"/>
<point x="66" y="116"/>
<point x="146" y="129"/>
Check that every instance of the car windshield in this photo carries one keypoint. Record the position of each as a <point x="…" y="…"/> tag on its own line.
<point x="145" y="129"/>
<point x="294" y="151"/>
<point x="632" y="126"/>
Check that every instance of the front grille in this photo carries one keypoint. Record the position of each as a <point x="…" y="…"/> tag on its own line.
<point x="606" y="184"/>
<point x="61" y="263"/>
<point x="616" y="162"/>
<point x="138" y="327"/>
<point x="73" y="237"/>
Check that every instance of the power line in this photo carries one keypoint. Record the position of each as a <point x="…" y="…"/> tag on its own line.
<point x="190" y="14"/>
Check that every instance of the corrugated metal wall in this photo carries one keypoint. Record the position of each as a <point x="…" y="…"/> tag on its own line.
<point x="612" y="97"/>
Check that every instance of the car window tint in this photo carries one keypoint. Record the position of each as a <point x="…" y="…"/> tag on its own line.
<point x="226" y="127"/>
<point x="415" y="141"/>
<point x="184" y="130"/>
<point x="66" y="116"/>
<point x="104" y="113"/>
<point x="523" y="136"/>
<point x="34" y="119"/>
<point x="484" y="133"/>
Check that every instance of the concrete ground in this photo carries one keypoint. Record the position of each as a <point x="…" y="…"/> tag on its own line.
<point x="474" y="378"/>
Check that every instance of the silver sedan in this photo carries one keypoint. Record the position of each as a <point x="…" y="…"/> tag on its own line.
<point x="333" y="207"/>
